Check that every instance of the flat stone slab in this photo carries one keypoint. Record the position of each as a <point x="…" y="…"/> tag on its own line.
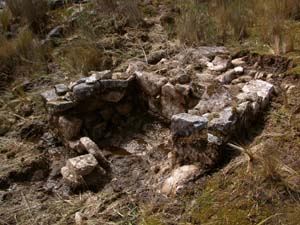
<point x="184" y="124"/>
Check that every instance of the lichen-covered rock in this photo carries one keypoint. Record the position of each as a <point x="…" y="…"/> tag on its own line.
<point x="224" y="125"/>
<point x="213" y="103"/>
<point x="262" y="88"/>
<point x="83" y="172"/>
<point x="190" y="139"/>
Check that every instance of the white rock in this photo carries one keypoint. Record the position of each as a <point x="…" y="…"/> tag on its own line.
<point x="96" y="76"/>
<point x="239" y="70"/>
<point x="262" y="88"/>
<point x="178" y="178"/>
<point x="238" y="62"/>
<point x="82" y="165"/>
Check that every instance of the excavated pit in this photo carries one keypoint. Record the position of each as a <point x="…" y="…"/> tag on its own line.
<point x="156" y="126"/>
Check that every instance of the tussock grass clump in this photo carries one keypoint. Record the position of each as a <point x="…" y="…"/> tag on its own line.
<point x="221" y="21"/>
<point x="5" y="19"/>
<point x="23" y="50"/>
<point x="33" y="11"/>
<point x="84" y="57"/>
<point x="129" y="9"/>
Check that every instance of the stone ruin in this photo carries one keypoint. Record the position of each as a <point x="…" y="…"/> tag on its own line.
<point x="206" y="95"/>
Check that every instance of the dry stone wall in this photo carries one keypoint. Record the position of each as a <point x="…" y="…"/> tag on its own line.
<point x="205" y="94"/>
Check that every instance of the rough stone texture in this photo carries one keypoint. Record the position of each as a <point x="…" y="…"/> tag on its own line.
<point x="227" y="77"/>
<point x="156" y="56"/>
<point x="219" y="64"/>
<point x="205" y="95"/>
<point x="93" y="149"/>
<point x="261" y="88"/>
<point x="224" y="124"/>
<point x="61" y="89"/>
<point x="83" y="172"/>
<point x="172" y="101"/>
<point x="178" y="178"/>
<point x="96" y="76"/>
<point x="69" y="127"/>
<point x="151" y="83"/>
<point x="184" y="125"/>
<point x="82" y="165"/>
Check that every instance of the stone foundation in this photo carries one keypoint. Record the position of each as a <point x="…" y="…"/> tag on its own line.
<point x="205" y="95"/>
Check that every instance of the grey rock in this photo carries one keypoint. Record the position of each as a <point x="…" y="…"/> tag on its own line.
<point x="224" y="125"/>
<point x="214" y="103"/>
<point x="262" y="88"/>
<point x="59" y="106"/>
<point x="219" y="64"/>
<point x="184" y="124"/>
<point x="227" y="77"/>
<point x="49" y="95"/>
<point x="156" y="56"/>
<point x="96" y="76"/>
<point x="61" y="89"/>
<point x="83" y="91"/>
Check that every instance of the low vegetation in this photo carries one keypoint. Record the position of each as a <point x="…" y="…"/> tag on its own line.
<point x="222" y="21"/>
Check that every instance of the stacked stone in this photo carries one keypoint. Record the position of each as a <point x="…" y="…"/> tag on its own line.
<point x="205" y="94"/>
<point x="71" y="111"/>
<point x="85" y="170"/>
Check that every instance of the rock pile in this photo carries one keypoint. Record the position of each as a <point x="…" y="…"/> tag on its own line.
<point x="207" y="96"/>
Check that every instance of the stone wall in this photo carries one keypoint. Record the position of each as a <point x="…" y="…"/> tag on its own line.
<point x="205" y="94"/>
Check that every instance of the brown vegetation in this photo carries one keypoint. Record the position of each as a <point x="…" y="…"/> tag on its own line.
<point x="220" y="21"/>
<point x="33" y="11"/>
